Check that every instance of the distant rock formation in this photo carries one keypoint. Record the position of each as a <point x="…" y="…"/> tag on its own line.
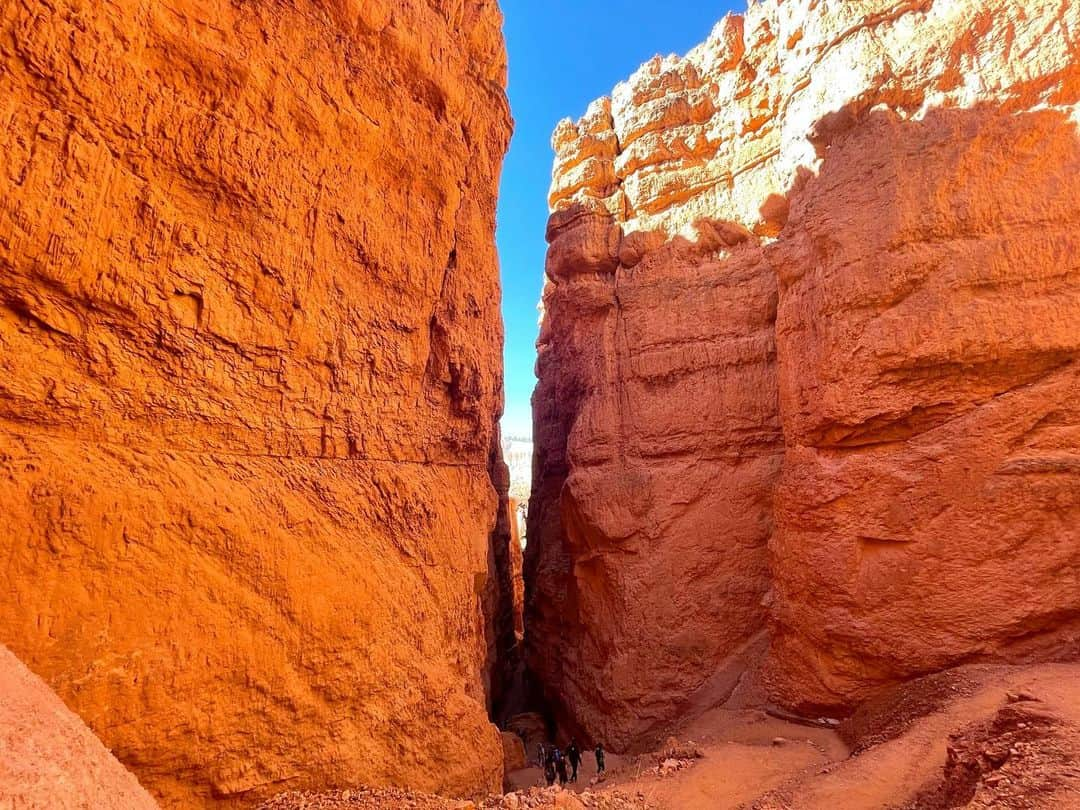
<point x="516" y="562"/>
<point x="809" y="362"/>
<point x="49" y="758"/>
<point x="518" y="453"/>
<point x="250" y="373"/>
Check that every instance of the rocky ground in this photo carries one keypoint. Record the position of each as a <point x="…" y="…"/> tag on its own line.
<point x="540" y="798"/>
<point x="977" y="737"/>
<point x="980" y="737"/>
<point x="1026" y="750"/>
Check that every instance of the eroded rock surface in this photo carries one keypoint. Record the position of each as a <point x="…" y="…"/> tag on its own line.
<point x="250" y="363"/>
<point x="809" y="360"/>
<point x="929" y="508"/>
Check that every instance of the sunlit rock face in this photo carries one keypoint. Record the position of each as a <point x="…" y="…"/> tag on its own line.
<point x="809" y="362"/>
<point x="249" y="376"/>
<point x="929" y="508"/>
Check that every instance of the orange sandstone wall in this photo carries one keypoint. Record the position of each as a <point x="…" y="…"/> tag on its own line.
<point x="809" y="362"/>
<point x="249" y="377"/>
<point x="929" y="508"/>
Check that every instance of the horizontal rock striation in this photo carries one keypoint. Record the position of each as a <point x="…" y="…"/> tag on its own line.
<point x="811" y="321"/>
<point x="249" y="378"/>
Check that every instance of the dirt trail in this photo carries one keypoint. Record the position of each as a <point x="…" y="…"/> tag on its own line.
<point x="746" y="753"/>
<point x="894" y="773"/>
<point x="902" y="743"/>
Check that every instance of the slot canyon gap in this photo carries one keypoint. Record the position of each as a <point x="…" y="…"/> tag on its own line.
<point x="806" y="422"/>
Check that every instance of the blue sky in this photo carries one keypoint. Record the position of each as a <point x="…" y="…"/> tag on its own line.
<point x="563" y="54"/>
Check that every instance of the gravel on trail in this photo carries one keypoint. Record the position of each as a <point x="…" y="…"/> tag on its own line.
<point x="392" y="798"/>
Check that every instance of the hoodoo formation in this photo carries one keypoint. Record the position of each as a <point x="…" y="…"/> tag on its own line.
<point x="250" y="359"/>
<point x="809" y="363"/>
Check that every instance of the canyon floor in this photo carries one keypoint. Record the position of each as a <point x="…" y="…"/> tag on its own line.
<point x="976" y="737"/>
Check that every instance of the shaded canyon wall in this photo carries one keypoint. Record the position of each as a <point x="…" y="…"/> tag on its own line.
<point x="250" y="375"/>
<point x="808" y="363"/>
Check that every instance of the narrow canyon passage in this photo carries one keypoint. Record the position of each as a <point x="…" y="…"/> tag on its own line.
<point x="804" y="520"/>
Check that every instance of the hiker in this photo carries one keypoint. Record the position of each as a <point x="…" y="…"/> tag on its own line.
<point x="549" y="769"/>
<point x="560" y="766"/>
<point x="540" y="755"/>
<point x="599" y="758"/>
<point x="574" y="755"/>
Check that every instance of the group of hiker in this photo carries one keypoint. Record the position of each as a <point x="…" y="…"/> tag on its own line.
<point x="554" y="761"/>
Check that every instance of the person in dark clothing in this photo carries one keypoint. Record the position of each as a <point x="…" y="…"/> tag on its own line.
<point x="599" y="758"/>
<point x="549" y="770"/>
<point x="574" y="755"/>
<point x="560" y="766"/>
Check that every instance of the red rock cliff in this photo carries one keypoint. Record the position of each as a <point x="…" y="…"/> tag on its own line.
<point x="809" y="360"/>
<point x="250" y="362"/>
